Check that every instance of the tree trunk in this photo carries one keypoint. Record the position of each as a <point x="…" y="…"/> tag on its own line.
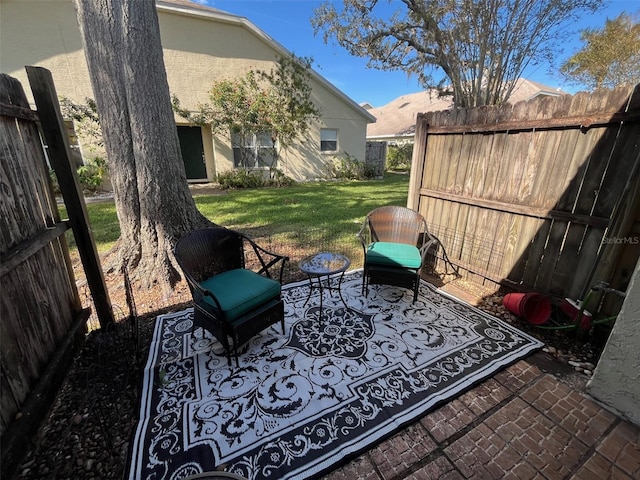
<point x="122" y="46"/>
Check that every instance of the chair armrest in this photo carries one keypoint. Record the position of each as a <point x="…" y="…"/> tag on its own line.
<point x="428" y="241"/>
<point x="198" y="292"/>
<point x="268" y="259"/>
<point x="364" y="235"/>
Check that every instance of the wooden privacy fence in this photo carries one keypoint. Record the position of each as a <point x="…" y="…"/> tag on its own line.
<point x="42" y="317"/>
<point x="542" y="195"/>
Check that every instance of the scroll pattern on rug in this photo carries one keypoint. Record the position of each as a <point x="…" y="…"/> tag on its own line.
<point x="337" y="382"/>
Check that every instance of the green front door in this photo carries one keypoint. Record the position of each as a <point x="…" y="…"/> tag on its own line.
<point x="192" y="152"/>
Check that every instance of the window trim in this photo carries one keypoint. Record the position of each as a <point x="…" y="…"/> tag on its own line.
<point x="337" y="143"/>
<point x="251" y="142"/>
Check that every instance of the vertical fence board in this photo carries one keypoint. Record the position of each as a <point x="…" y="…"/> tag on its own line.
<point x="510" y="254"/>
<point x="536" y="253"/>
<point x="418" y="160"/>
<point x="525" y="251"/>
<point x="591" y="246"/>
<point x="546" y="145"/>
<point x="494" y="173"/>
<point x="495" y="258"/>
<point x="470" y="245"/>
<point x="459" y="213"/>
<point x="442" y="161"/>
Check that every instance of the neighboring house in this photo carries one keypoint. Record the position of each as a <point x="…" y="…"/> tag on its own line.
<point x="201" y="45"/>
<point x="396" y="121"/>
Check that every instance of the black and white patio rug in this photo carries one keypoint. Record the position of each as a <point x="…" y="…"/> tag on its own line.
<point x="303" y="402"/>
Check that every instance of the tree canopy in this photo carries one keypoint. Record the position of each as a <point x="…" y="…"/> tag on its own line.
<point x="474" y="50"/>
<point x="610" y="55"/>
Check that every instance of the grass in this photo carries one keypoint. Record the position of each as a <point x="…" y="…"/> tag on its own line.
<point x="305" y="204"/>
<point x="306" y="217"/>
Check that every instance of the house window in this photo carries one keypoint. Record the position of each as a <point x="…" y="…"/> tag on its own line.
<point x="252" y="150"/>
<point x="328" y="139"/>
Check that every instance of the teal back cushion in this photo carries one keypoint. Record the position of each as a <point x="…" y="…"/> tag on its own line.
<point x="240" y="291"/>
<point x="394" y="255"/>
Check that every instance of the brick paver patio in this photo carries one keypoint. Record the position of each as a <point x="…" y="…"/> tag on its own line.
<point x="523" y="423"/>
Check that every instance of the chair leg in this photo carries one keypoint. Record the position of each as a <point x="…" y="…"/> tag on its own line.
<point x="227" y="349"/>
<point x="233" y="347"/>
<point x="365" y="287"/>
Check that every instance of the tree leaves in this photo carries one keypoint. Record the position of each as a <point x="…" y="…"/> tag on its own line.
<point x="609" y="57"/>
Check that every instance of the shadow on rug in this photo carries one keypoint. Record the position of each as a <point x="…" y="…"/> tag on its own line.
<point x="338" y="382"/>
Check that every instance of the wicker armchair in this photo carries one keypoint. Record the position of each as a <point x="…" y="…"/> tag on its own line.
<point x="231" y="301"/>
<point x="395" y="241"/>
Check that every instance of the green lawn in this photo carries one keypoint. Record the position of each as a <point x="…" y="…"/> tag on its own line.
<point x="303" y="218"/>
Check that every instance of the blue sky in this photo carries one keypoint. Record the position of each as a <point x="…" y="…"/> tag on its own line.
<point x="287" y="21"/>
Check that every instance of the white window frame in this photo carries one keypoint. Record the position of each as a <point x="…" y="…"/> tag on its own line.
<point x="332" y="138"/>
<point x="260" y="145"/>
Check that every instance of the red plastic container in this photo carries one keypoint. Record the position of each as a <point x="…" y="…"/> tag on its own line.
<point x="533" y="307"/>
<point x="572" y="309"/>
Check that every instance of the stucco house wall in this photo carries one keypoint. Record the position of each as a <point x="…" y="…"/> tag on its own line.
<point x="201" y="45"/>
<point x="616" y="379"/>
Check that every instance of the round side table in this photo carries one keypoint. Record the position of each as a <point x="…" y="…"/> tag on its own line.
<point x="324" y="264"/>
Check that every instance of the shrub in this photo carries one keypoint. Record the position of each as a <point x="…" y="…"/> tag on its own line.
<point x="54" y="182"/>
<point x="399" y="157"/>
<point x="347" y="167"/>
<point x="91" y="175"/>
<point x="239" y="179"/>
<point x="242" y="178"/>
<point x="279" y="179"/>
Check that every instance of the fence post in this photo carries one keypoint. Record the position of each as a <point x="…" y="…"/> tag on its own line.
<point x="52" y="124"/>
<point x="417" y="163"/>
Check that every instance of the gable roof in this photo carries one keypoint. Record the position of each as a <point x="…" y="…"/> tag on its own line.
<point x="398" y="117"/>
<point x="190" y="8"/>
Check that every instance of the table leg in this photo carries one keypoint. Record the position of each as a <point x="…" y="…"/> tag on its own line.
<point x="311" y="287"/>
<point x="321" y="295"/>
<point x="340" y="290"/>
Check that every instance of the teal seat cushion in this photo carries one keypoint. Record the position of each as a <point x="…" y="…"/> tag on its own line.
<point x="394" y="255"/>
<point x="240" y="291"/>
